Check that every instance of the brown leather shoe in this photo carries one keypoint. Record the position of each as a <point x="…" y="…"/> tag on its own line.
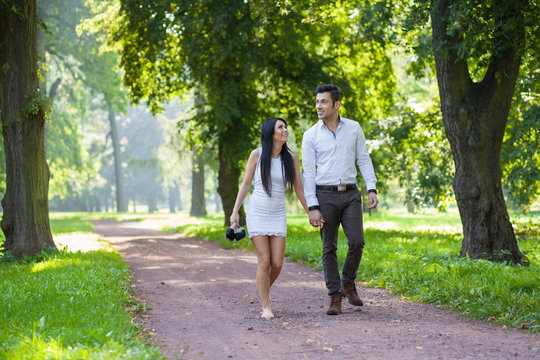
<point x="349" y="290"/>
<point x="335" y="304"/>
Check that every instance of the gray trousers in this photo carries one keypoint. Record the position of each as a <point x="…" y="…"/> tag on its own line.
<point x="345" y="208"/>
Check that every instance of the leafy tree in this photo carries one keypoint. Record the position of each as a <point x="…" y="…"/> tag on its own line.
<point x="25" y="220"/>
<point x="478" y="49"/>
<point x="249" y="67"/>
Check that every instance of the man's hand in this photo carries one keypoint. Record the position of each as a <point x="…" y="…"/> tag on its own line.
<point x="373" y="201"/>
<point x="316" y="218"/>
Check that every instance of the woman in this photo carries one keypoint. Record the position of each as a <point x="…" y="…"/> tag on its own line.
<point x="273" y="167"/>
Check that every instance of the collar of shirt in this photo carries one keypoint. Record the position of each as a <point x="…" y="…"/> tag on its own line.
<point x="323" y="123"/>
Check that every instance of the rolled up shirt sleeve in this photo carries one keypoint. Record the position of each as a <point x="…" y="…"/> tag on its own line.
<point x="309" y="165"/>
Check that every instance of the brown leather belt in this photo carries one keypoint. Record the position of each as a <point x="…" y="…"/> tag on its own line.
<point x="343" y="187"/>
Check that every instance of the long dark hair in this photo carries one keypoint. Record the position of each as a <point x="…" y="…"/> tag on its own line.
<point x="287" y="167"/>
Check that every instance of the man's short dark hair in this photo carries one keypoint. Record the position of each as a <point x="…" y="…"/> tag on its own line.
<point x="335" y="91"/>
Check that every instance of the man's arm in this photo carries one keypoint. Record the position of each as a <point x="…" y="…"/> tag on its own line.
<point x="366" y="168"/>
<point x="364" y="161"/>
<point x="309" y="164"/>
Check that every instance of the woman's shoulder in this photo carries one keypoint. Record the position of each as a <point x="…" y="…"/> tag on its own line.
<point x="293" y="154"/>
<point x="255" y="153"/>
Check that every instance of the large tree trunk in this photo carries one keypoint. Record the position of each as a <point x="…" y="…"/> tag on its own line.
<point x="475" y="116"/>
<point x="198" y="207"/>
<point x="25" y="220"/>
<point x="121" y="201"/>
<point x="228" y="185"/>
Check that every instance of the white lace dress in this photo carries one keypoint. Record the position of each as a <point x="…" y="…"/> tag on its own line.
<point x="266" y="215"/>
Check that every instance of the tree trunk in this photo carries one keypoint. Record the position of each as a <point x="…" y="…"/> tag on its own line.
<point x="121" y="201"/>
<point x="198" y="207"/>
<point x="228" y="185"/>
<point x="475" y="116"/>
<point x="410" y="206"/>
<point x="152" y="202"/>
<point x="25" y="220"/>
<point x="174" y="196"/>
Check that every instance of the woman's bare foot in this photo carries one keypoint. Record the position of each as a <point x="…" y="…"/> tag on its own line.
<point x="267" y="313"/>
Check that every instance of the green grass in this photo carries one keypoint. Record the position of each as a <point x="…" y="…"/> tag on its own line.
<point x="70" y="224"/>
<point x="62" y="216"/>
<point x="64" y="305"/>
<point x="417" y="256"/>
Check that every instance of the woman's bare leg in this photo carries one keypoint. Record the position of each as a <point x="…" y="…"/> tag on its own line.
<point x="277" y="251"/>
<point x="262" y="249"/>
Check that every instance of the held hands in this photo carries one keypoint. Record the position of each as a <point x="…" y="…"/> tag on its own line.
<point x="373" y="201"/>
<point x="316" y="218"/>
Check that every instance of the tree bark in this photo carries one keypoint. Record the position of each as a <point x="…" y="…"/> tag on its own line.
<point x="121" y="201"/>
<point x="228" y="185"/>
<point x="475" y="116"/>
<point x="25" y="221"/>
<point x="198" y="207"/>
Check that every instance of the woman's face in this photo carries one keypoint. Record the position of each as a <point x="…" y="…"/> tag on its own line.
<point x="280" y="132"/>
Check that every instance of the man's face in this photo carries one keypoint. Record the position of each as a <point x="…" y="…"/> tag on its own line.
<point x="325" y="108"/>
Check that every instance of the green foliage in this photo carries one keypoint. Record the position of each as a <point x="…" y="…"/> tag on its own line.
<point x="80" y="77"/>
<point x="250" y="66"/>
<point x="413" y="146"/>
<point x="422" y="264"/>
<point x="520" y="157"/>
<point x="36" y="104"/>
<point x="69" y="306"/>
<point x="479" y="31"/>
<point x="69" y="163"/>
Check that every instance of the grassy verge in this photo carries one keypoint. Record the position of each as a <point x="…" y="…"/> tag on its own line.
<point x="416" y="255"/>
<point x="66" y="305"/>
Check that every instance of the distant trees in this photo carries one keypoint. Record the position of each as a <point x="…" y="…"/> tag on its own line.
<point x="79" y="72"/>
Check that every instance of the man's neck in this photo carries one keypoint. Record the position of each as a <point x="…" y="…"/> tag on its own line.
<point x="332" y="124"/>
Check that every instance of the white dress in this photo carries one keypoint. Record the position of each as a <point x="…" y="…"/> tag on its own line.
<point x="266" y="215"/>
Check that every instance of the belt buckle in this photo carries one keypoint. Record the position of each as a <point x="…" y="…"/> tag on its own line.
<point x="341" y="187"/>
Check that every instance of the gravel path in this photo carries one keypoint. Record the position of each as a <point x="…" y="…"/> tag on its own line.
<point x="205" y="306"/>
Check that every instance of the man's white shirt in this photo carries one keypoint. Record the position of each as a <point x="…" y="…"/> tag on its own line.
<point x="328" y="158"/>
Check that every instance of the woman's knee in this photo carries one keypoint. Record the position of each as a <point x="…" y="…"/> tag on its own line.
<point x="264" y="263"/>
<point x="277" y="264"/>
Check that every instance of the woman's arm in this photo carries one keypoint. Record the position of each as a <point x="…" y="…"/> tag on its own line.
<point x="244" y="187"/>
<point x="298" y="187"/>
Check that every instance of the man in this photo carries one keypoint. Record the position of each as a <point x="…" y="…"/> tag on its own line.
<point x="329" y="151"/>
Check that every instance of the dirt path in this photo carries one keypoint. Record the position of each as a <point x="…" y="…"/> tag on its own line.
<point x="205" y="306"/>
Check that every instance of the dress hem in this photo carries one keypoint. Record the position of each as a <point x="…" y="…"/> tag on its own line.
<point x="277" y="233"/>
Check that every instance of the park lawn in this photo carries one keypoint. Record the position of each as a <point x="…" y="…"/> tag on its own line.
<point x="417" y="256"/>
<point x="65" y="305"/>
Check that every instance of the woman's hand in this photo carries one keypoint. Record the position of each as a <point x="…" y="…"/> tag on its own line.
<point x="235" y="219"/>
